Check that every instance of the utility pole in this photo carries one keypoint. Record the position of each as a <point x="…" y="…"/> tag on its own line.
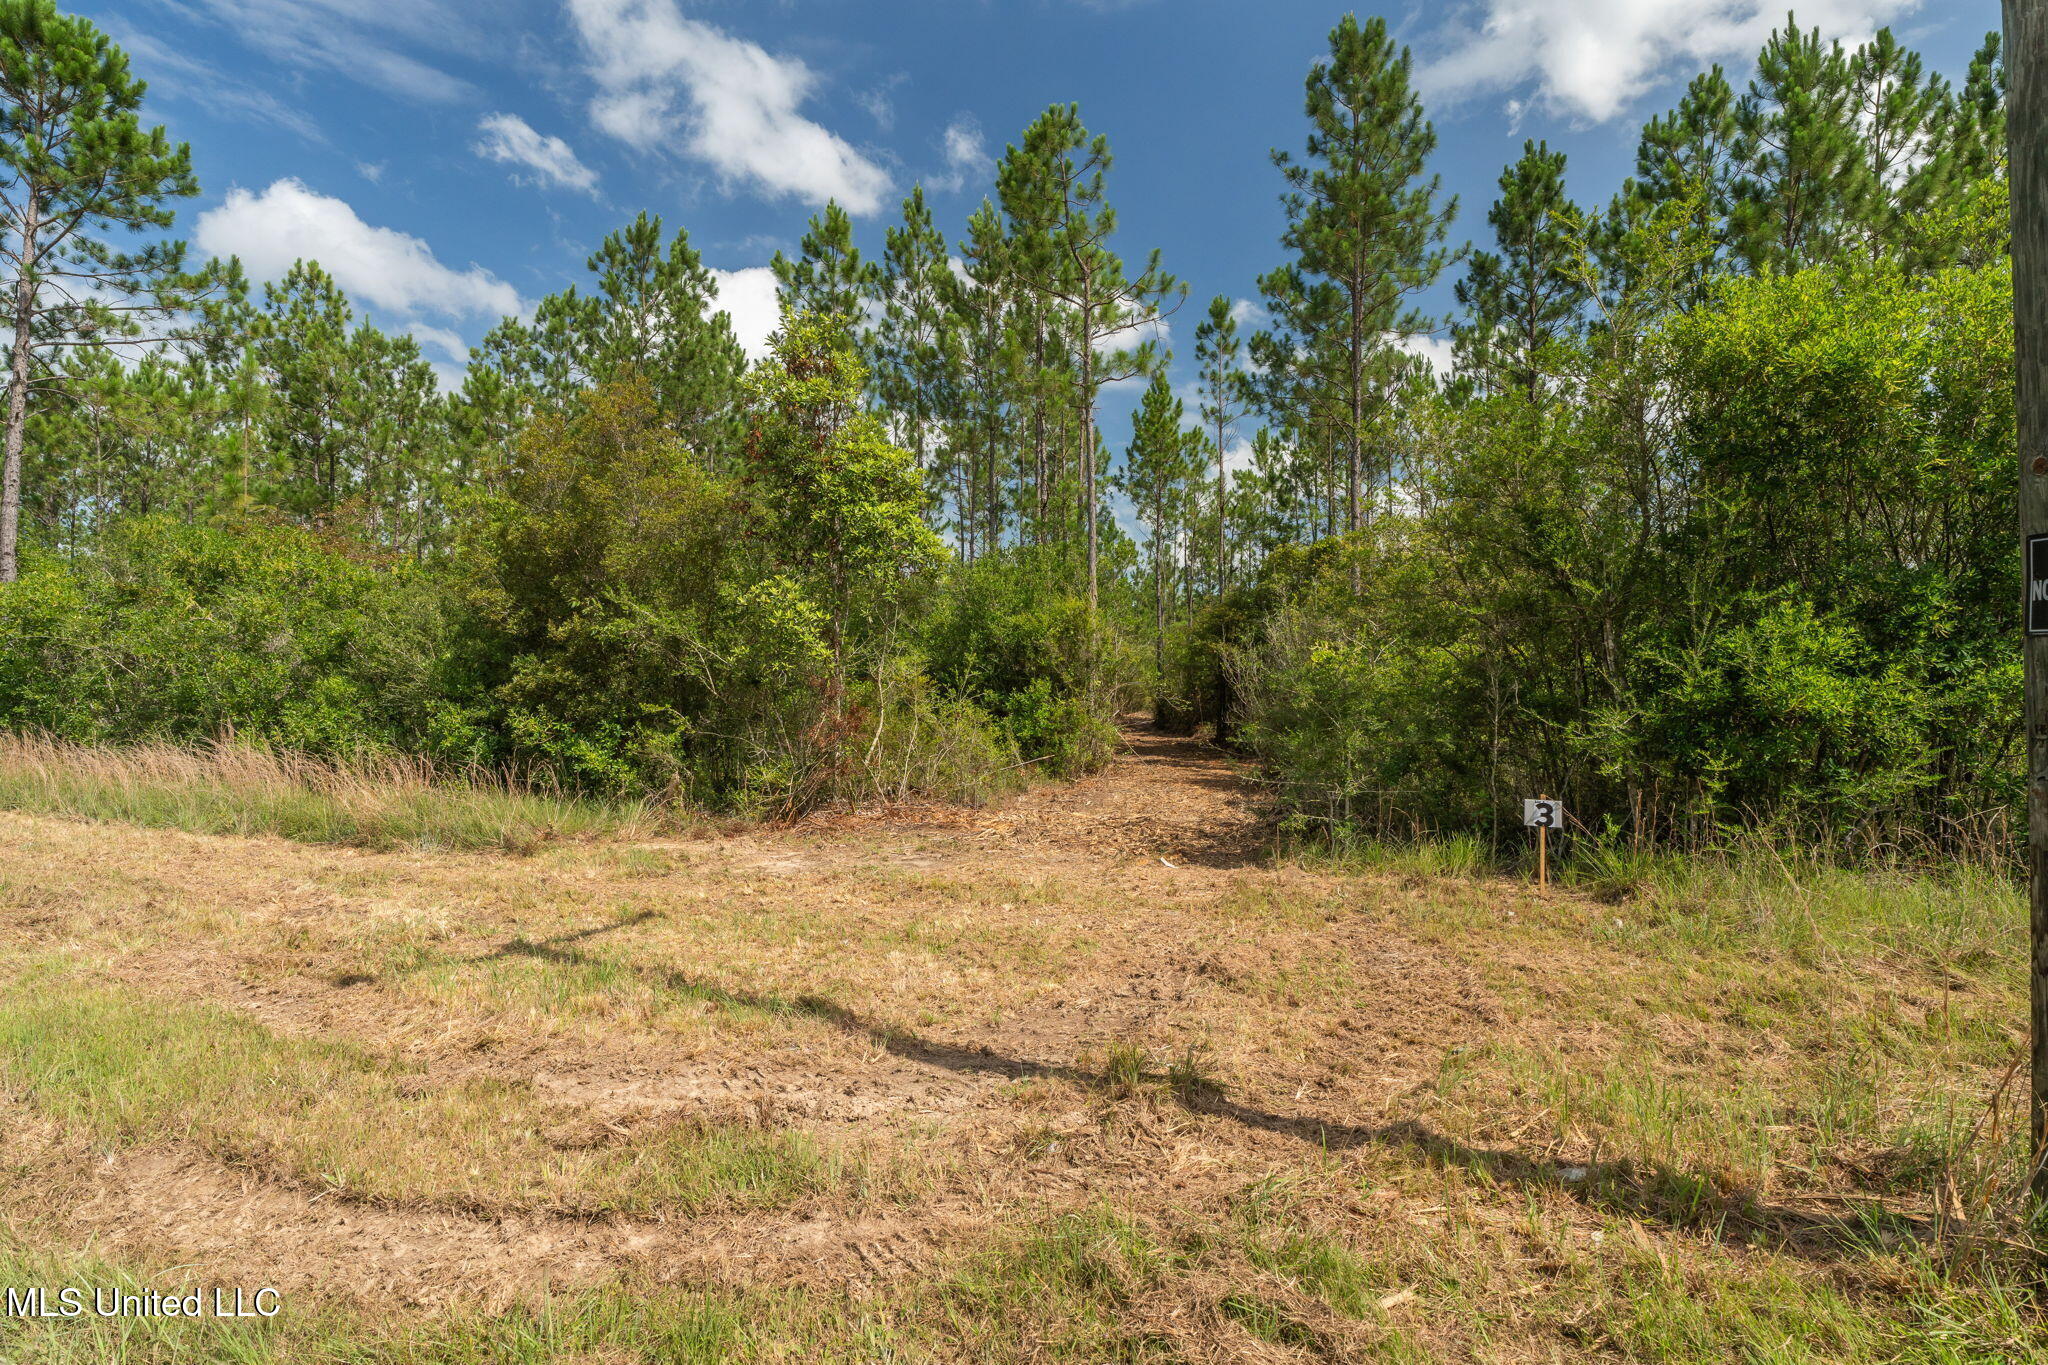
<point x="2026" y="75"/>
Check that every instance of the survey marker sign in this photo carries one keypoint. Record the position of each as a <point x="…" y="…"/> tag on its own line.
<point x="1541" y="812"/>
<point x="2037" y="585"/>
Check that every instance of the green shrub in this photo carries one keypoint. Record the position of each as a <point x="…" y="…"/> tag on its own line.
<point x="272" y="632"/>
<point x="1001" y="636"/>
<point x="909" y="737"/>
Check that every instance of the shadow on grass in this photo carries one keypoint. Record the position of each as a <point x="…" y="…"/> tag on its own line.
<point x="1651" y="1193"/>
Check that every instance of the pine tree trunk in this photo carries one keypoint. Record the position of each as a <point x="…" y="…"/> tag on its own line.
<point x="1353" y="455"/>
<point x="1222" y="506"/>
<point x="1038" y="427"/>
<point x="17" y="397"/>
<point x="1087" y="451"/>
<point x="1159" y="592"/>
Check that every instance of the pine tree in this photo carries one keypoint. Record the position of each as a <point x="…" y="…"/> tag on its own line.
<point x="1360" y="213"/>
<point x="1299" y="379"/>
<point x="1217" y="355"/>
<point x="1055" y="183"/>
<point x="1685" y="156"/>
<point x="1692" y="146"/>
<point x="1524" y="298"/>
<point x="651" y="313"/>
<point x="829" y="277"/>
<point x="1965" y="149"/>
<point x="352" y="417"/>
<point x="1895" y="106"/>
<point x="654" y="312"/>
<point x="1803" y="173"/>
<point x="1155" y="475"/>
<point x="917" y="347"/>
<point x="78" y="165"/>
<point x="991" y="364"/>
<point x="301" y="346"/>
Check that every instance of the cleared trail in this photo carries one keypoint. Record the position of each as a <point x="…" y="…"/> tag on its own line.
<point x="1101" y="994"/>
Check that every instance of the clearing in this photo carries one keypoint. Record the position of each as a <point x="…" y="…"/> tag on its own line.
<point x="1092" y="1075"/>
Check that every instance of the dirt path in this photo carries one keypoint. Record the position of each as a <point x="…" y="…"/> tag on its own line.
<point x="944" y="986"/>
<point x="1165" y="796"/>
<point x="1162" y="796"/>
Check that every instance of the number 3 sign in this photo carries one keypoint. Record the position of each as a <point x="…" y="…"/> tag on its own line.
<point x="1541" y="812"/>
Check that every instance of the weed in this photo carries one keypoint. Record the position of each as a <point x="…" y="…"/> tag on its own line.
<point x="1125" y="1068"/>
<point x="382" y="801"/>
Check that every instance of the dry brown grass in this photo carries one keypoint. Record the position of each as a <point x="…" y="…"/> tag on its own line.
<point x="1139" y="1094"/>
<point x="377" y="800"/>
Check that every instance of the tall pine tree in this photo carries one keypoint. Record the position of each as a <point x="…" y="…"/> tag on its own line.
<point x="1055" y="182"/>
<point x="1362" y="215"/>
<point x="1526" y="295"/>
<point x="79" y="164"/>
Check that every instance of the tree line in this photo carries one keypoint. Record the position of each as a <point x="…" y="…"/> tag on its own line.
<point x="1708" y="525"/>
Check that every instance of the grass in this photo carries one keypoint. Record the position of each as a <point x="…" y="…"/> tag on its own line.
<point x="1757" y="899"/>
<point x="105" y="1059"/>
<point x="654" y="1324"/>
<point x="1670" y="1112"/>
<point x="1100" y="1285"/>
<point x="373" y="802"/>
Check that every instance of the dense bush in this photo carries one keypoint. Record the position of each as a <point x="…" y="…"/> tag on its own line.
<point x="1791" y="602"/>
<point x="1003" y="635"/>
<point x="271" y="631"/>
<point x="637" y="620"/>
<point x="620" y="627"/>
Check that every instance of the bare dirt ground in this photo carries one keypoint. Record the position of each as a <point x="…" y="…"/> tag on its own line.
<point x="1103" y="994"/>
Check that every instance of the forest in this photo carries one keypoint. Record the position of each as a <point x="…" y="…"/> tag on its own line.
<point x="1707" y="530"/>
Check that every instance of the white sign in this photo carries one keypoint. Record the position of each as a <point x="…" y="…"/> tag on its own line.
<point x="1541" y="812"/>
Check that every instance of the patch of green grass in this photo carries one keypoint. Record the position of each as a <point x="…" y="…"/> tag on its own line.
<point x="384" y="802"/>
<point x="1817" y="912"/>
<point x="625" y="1323"/>
<point x="1125" y="1067"/>
<point x="1430" y="855"/>
<point x="103" y="1058"/>
<point x="1697" y="1146"/>
<point x="1062" y="1289"/>
<point x="1765" y="1312"/>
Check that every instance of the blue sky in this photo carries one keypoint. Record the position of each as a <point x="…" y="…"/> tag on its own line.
<point x="452" y="161"/>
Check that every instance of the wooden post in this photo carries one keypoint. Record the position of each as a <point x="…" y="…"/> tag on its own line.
<point x="1543" y="852"/>
<point x="2026" y="73"/>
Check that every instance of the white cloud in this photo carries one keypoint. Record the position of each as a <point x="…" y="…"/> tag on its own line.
<point x="878" y="102"/>
<point x="347" y="36"/>
<point x="389" y="269"/>
<point x="453" y="364"/>
<point x="174" y="74"/>
<point x="511" y="139"/>
<point x="661" y="77"/>
<point x="1592" y="58"/>
<point x="449" y="343"/>
<point x="1434" y="349"/>
<point x="748" y="297"/>
<point x="966" y="154"/>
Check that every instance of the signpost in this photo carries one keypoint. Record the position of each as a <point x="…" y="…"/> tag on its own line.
<point x="1543" y="814"/>
<point x="2026" y="123"/>
<point x="2037" y="585"/>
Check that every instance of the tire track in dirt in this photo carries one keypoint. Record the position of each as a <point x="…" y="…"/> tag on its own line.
<point x="1171" y="823"/>
<point x="170" y="1203"/>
